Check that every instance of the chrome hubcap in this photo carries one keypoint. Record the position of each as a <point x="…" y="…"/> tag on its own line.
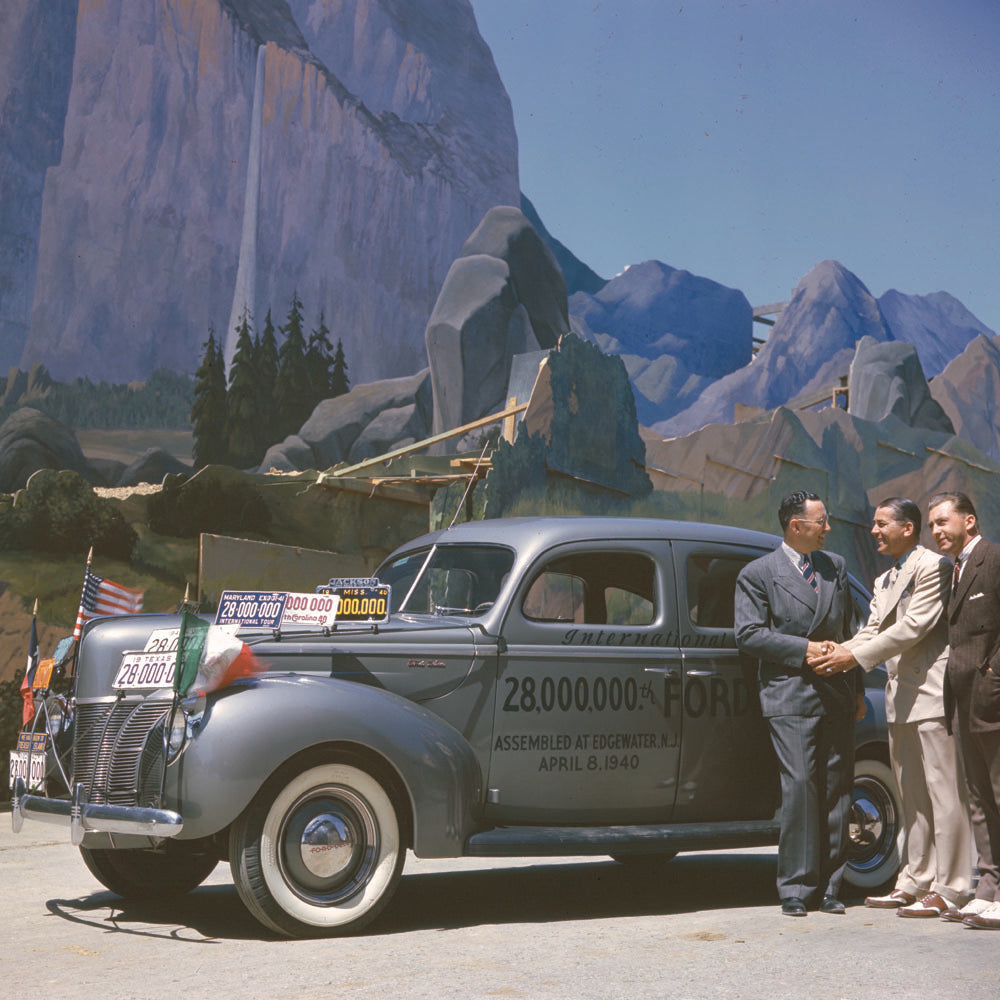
<point x="328" y="845"/>
<point x="873" y="825"/>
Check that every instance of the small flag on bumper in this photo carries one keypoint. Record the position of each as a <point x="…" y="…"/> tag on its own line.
<point x="210" y="657"/>
<point x="27" y="692"/>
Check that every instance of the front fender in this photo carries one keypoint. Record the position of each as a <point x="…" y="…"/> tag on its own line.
<point x="250" y="729"/>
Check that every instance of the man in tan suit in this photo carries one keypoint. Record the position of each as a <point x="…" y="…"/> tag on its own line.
<point x="908" y="631"/>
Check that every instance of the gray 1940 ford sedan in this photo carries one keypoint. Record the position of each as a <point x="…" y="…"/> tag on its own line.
<point x="537" y="686"/>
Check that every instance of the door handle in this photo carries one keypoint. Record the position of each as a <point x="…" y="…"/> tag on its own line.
<point x="702" y="673"/>
<point x="667" y="671"/>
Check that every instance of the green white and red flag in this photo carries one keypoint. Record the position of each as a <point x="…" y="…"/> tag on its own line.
<point x="210" y="657"/>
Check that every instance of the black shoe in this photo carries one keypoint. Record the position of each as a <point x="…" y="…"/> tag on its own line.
<point x="793" y="907"/>
<point x="831" y="904"/>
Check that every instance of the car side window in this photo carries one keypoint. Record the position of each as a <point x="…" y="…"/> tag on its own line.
<point x="594" y="588"/>
<point x="711" y="586"/>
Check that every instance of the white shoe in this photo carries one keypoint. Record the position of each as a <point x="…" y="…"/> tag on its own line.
<point x="973" y="906"/>
<point x="988" y="919"/>
<point x="977" y="906"/>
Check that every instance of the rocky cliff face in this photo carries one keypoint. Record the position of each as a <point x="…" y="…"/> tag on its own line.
<point x="968" y="390"/>
<point x="36" y="61"/>
<point x="503" y="296"/>
<point x="358" y="203"/>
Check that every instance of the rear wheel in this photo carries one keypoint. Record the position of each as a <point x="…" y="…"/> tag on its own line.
<point x="876" y="826"/>
<point x="318" y="852"/>
<point x="140" y="873"/>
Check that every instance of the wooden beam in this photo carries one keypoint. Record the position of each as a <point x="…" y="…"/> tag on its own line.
<point x="420" y="445"/>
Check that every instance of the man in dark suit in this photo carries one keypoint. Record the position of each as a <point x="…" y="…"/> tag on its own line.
<point x="972" y="688"/>
<point x="788" y="603"/>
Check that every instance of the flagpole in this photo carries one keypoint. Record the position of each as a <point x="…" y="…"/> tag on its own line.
<point x="77" y="628"/>
<point x="31" y="665"/>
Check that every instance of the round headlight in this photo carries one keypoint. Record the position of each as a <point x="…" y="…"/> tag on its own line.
<point x="56" y="715"/>
<point x="187" y="717"/>
<point x="179" y="732"/>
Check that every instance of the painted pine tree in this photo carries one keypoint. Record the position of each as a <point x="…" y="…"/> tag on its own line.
<point x="292" y="395"/>
<point x="208" y="411"/>
<point x="243" y="401"/>
<point x="266" y="364"/>
<point x="319" y="359"/>
<point x="339" y="383"/>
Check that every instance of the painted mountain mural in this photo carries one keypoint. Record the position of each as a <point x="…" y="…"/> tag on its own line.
<point x="166" y="166"/>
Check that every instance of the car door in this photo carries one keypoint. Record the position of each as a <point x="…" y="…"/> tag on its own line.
<point x="582" y="733"/>
<point x="727" y="766"/>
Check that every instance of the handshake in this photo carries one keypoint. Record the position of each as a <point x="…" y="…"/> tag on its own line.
<point x="829" y="657"/>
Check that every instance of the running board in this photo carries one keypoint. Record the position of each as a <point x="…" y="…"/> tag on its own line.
<point x="556" y="841"/>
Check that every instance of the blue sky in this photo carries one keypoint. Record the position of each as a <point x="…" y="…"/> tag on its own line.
<point x="747" y="141"/>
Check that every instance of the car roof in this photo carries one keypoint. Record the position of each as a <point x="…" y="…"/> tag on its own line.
<point x="538" y="533"/>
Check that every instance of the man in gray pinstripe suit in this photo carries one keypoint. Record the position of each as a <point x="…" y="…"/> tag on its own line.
<point x="788" y="603"/>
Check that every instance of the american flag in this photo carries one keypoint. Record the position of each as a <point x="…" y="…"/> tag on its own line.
<point x="105" y="597"/>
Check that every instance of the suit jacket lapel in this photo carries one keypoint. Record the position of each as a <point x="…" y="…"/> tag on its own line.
<point x="889" y="597"/>
<point x="792" y="580"/>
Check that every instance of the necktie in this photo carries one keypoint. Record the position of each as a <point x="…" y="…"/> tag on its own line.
<point x="954" y="577"/>
<point x="894" y="572"/>
<point x="807" y="572"/>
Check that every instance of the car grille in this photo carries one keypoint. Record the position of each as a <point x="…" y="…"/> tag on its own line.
<point x="118" y="751"/>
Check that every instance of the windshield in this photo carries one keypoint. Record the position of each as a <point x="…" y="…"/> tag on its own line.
<point x="447" y="579"/>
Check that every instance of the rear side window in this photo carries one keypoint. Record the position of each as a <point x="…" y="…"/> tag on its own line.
<point x="711" y="587"/>
<point x="594" y="588"/>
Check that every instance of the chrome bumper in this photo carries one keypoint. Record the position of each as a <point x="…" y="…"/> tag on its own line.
<point x="84" y="817"/>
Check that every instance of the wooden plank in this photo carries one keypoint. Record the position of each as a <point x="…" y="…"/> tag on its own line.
<point x="420" y="445"/>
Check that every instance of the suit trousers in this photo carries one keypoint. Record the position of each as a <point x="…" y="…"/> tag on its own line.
<point x="816" y="764"/>
<point x="981" y="759"/>
<point x="938" y="854"/>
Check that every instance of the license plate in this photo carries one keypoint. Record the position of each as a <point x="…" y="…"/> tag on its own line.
<point x="366" y="603"/>
<point x="251" y="608"/>
<point x="43" y="674"/>
<point x="143" y="671"/>
<point x="28" y="760"/>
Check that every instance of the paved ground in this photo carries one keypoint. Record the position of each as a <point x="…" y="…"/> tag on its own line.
<point x="707" y="926"/>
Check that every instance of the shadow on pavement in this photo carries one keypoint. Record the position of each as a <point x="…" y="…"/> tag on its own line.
<point x="535" y="893"/>
<point x="581" y="891"/>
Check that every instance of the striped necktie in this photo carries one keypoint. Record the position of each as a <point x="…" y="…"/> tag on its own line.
<point x="807" y="572"/>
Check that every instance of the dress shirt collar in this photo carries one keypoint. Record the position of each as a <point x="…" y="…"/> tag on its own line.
<point x="797" y="558"/>
<point x="969" y="546"/>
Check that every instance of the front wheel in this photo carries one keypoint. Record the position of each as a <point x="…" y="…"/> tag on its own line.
<point x="140" y="873"/>
<point x="318" y="853"/>
<point x="876" y="827"/>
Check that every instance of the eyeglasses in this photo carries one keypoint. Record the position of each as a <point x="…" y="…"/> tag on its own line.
<point x="813" y="520"/>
